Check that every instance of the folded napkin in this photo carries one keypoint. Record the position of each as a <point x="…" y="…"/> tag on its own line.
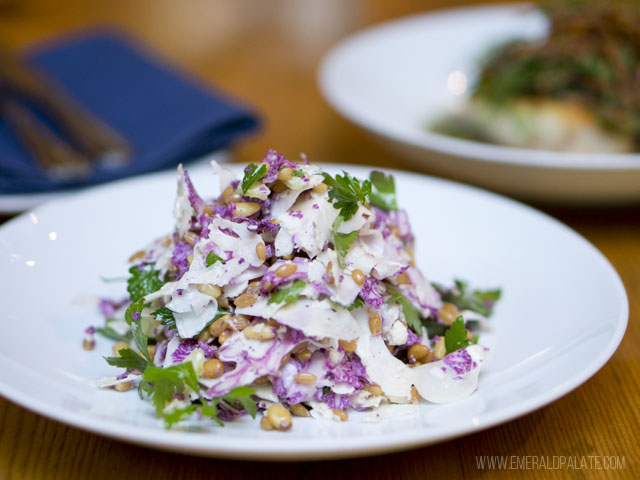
<point x="165" y="115"/>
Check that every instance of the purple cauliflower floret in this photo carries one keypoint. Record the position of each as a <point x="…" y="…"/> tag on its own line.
<point x="179" y="258"/>
<point x="194" y="199"/>
<point x="184" y="349"/>
<point x="351" y="372"/>
<point x="276" y="162"/>
<point x="370" y="294"/>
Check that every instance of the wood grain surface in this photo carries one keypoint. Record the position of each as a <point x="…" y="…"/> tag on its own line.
<point x="266" y="53"/>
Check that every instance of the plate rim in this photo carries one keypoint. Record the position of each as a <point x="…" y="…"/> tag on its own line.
<point x="287" y="450"/>
<point x="328" y="71"/>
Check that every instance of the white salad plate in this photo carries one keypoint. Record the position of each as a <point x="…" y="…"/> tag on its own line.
<point x="563" y="313"/>
<point x="395" y="79"/>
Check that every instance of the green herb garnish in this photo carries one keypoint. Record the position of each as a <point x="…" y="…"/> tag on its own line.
<point x="435" y="328"/>
<point x="346" y="192"/>
<point x="112" y="334"/>
<point x="213" y="258"/>
<point x="480" y="301"/>
<point x="456" y="337"/>
<point x="287" y="295"/>
<point x="167" y="382"/>
<point x="411" y="313"/>
<point x="252" y="174"/>
<point x="165" y="316"/>
<point x="142" y="282"/>
<point x="342" y="242"/>
<point x="129" y="359"/>
<point x="357" y="303"/>
<point x="383" y="193"/>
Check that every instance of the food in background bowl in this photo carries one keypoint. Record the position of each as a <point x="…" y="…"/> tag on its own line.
<point x="575" y="90"/>
<point x="292" y="293"/>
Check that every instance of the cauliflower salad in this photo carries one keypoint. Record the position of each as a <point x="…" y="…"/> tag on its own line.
<point x="294" y="293"/>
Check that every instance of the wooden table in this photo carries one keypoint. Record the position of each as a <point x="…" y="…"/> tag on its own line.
<point x="266" y="53"/>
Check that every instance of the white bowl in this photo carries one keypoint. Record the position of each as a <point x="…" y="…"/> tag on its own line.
<point x="395" y="79"/>
<point x="563" y="313"/>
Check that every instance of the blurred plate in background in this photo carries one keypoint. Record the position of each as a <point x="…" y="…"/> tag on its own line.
<point x="395" y="79"/>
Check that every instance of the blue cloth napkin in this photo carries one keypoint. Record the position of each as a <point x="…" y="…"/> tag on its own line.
<point x="166" y="116"/>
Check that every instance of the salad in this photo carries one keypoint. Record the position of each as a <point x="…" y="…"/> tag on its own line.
<point x="294" y="292"/>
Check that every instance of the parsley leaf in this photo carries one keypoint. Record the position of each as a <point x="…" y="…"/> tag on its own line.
<point x="411" y="313"/>
<point x="210" y="410"/>
<point x="161" y="384"/>
<point x="178" y="414"/>
<point x="342" y="241"/>
<point x="345" y="193"/>
<point x="165" y="316"/>
<point x="287" y="295"/>
<point x="213" y="258"/>
<point x="297" y="173"/>
<point x="142" y="282"/>
<point x="110" y="333"/>
<point x="252" y="174"/>
<point x="456" y="336"/>
<point x="129" y="359"/>
<point x="132" y="317"/>
<point x="383" y="194"/>
<point x="435" y="328"/>
<point x="357" y="303"/>
<point x="242" y="395"/>
<point x="481" y="301"/>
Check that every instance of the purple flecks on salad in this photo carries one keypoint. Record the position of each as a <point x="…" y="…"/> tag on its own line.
<point x="293" y="292"/>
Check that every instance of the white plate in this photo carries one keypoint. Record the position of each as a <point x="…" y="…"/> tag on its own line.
<point x="395" y="79"/>
<point x="11" y="203"/>
<point x="563" y="314"/>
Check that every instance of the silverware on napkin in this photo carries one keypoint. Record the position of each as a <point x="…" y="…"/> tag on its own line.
<point x="89" y="140"/>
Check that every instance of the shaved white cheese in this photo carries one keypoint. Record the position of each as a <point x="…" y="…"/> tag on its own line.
<point x="192" y="311"/>
<point x="364" y="399"/>
<point x="257" y="190"/>
<point x="397" y="334"/>
<point x="282" y="202"/>
<point x="310" y="178"/>
<point x="318" y="319"/>
<point x="306" y="225"/>
<point x="368" y="254"/>
<point x="453" y="378"/>
<point x="104" y="382"/>
<point x="225" y="176"/>
<point x="421" y="287"/>
<point x="241" y="248"/>
<point x="346" y="290"/>
<point x="362" y="217"/>
<point x="393" y="376"/>
<point x="265" y="392"/>
<point x="322" y="411"/>
<point x="260" y="308"/>
<point x="316" y="270"/>
<point x="293" y="388"/>
<point x="182" y="209"/>
<point x="253" y="358"/>
<point x="343" y="389"/>
<point x="240" y="283"/>
<point x="172" y="346"/>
